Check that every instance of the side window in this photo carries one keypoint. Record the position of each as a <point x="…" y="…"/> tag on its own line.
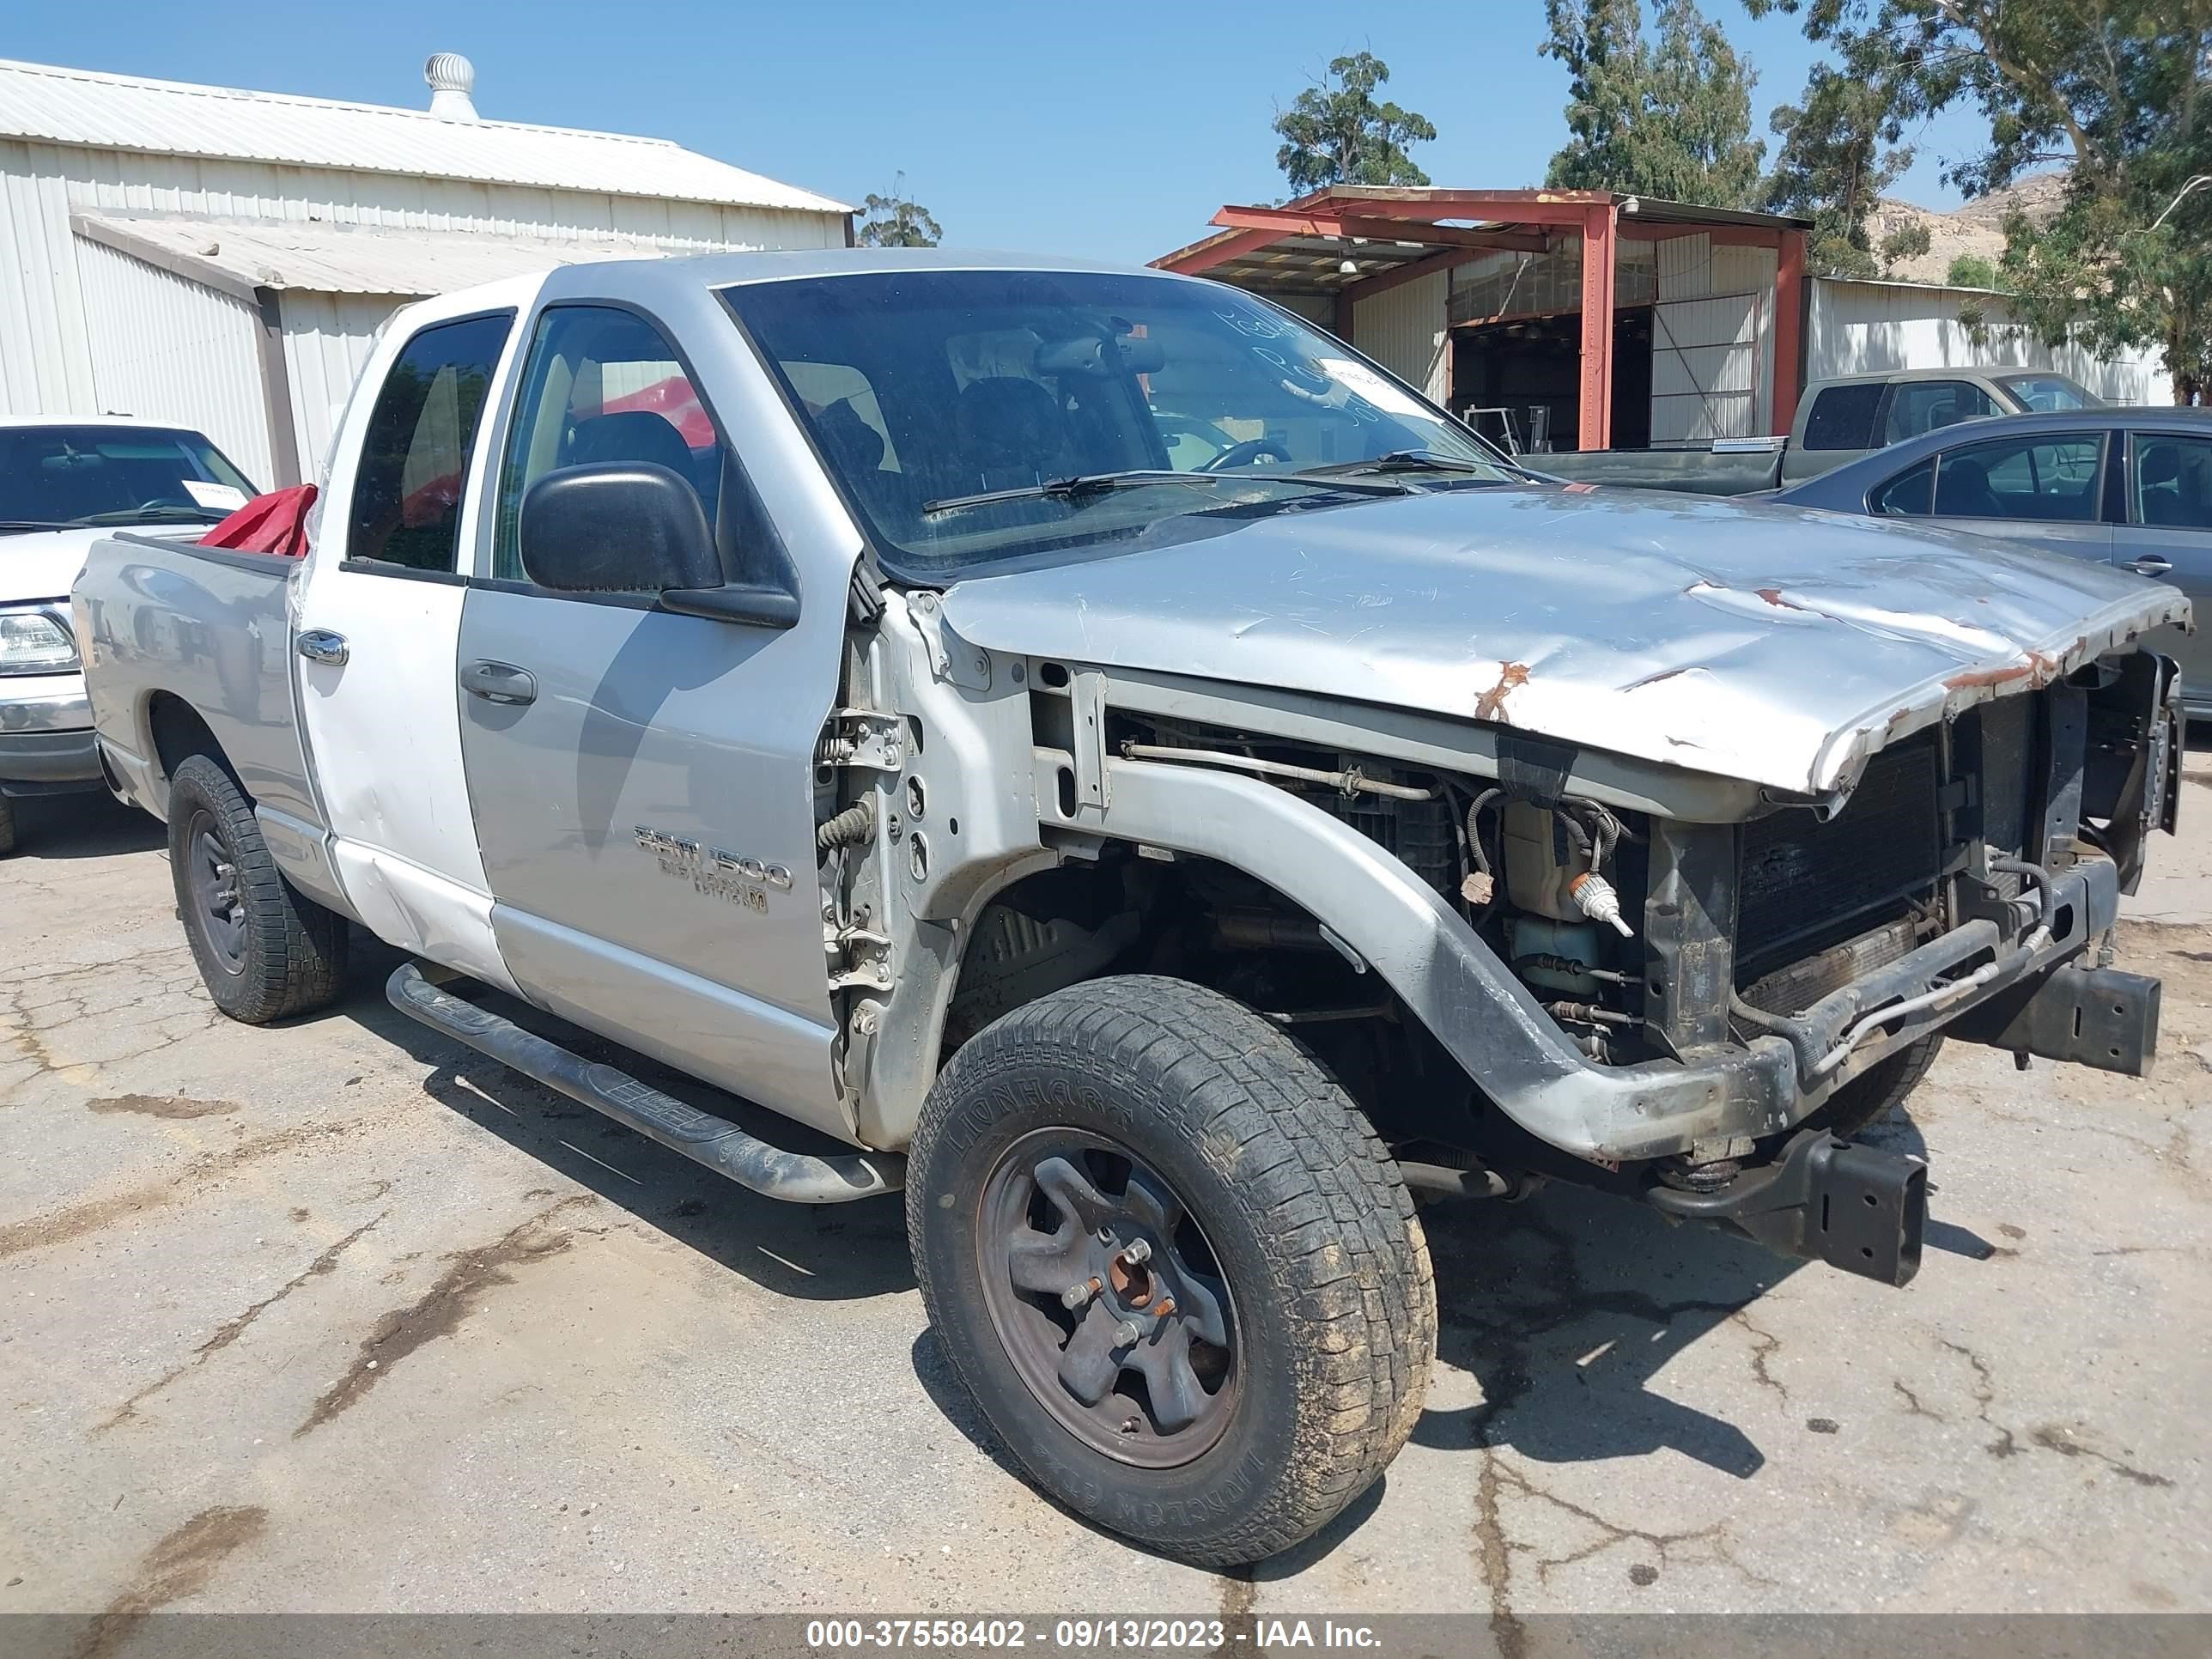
<point x="2052" y="480"/>
<point x="2172" y="484"/>
<point x="1911" y="493"/>
<point x="1843" y="416"/>
<point x="601" y="385"/>
<point x="1919" y="406"/>
<point x="415" y="456"/>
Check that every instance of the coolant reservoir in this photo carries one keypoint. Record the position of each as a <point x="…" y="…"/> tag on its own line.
<point x="1539" y="863"/>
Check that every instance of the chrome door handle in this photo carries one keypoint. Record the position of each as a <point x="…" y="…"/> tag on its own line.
<point x="499" y="682"/>
<point x="320" y="645"/>
<point x="2150" y="565"/>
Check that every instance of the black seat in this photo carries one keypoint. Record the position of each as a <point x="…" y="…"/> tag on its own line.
<point x="1962" y="491"/>
<point x="2159" y="468"/>
<point x="637" y="436"/>
<point x="1012" y="431"/>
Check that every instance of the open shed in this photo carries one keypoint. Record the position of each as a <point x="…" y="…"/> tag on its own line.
<point x="1581" y="318"/>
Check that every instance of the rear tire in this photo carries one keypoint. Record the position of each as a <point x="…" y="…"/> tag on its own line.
<point x="1867" y="1098"/>
<point x="1275" y="1220"/>
<point x="7" y="826"/>
<point x="265" y="949"/>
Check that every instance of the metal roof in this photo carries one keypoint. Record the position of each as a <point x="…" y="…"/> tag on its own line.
<point x="171" y="118"/>
<point x="239" y="256"/>
<point x="1338" y="238"/>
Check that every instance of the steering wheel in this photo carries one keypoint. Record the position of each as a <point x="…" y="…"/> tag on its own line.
<point x="1243" y="454"/>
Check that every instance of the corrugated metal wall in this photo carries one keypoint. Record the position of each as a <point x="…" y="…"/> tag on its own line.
<point x="327" y="338"/>
<point x="46" y="354"/>
<point x="1856" y="328"/>
<point x="1692" y="269"/>
<point x="172" y="350"/>
<point x="1704" y="367"/>
<point x="1403" y="329"/>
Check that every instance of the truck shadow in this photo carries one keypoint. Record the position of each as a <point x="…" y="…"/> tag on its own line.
<point x="827" y="1252"/>
<point x="82" y="826"/>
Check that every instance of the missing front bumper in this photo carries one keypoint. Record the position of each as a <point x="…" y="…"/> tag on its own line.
<point x="1825" y="1200"/>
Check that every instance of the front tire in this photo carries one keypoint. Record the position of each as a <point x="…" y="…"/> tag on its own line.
<point x="1889" y="1082"/>
<point x="265" y="951"/>
<point x="1283" y="1298"/>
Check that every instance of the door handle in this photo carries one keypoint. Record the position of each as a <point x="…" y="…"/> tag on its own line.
<point x="320" y="645"/>
<point x="500" y="682"/>
<point x="2150" y="565"/>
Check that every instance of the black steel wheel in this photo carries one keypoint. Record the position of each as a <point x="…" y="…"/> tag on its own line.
<point x="265" y="949"/>
<point x="218" y="907"/>
<point x="1108" y="1297"/>
<point x="1174" y="1265"/>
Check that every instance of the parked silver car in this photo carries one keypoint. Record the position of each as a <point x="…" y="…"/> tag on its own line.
<point x="2130" y="487"/>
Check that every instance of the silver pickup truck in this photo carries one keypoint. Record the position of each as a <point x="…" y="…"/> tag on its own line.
<point x="1837" y="421"/>
<point x="811" y="672"/>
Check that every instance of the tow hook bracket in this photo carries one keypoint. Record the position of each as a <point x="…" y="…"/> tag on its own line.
<point x="2101" y="1017"/>
<point x="1827" y="1200"/>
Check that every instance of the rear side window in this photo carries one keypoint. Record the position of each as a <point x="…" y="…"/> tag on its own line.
<point x="1842" y="417"/>
<point x="414" y="458"/>
<point x="1911" y="493"/>
<point x="1919" y="406"/>
<point x="2047" y="480"/>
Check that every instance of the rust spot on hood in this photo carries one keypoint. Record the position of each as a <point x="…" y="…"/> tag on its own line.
<point x="2039" y="671"/>
<point x="1773" y="597"/>
<point x="1491" y="705"/>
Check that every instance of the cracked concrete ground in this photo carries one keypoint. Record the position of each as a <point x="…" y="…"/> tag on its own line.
<point x="336" y="1316"/>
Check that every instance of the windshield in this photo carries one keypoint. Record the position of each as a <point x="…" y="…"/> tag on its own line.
<point x="2050" y="394"/>
<point x="926" y="389"/>
<point x="91" y="474"/>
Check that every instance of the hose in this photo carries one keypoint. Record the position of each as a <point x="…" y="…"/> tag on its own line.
<point x="2045" y="891"/>
<point x="855" y="825"/>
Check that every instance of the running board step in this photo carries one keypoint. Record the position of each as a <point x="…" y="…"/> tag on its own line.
<point x="716" y="1142"/>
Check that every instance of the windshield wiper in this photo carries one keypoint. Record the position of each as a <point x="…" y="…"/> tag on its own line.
<point x="1088" y="486"/>
<point x="153" y="515"/>
<point x="21" y="527"/>
<point x="1399" y="460"/>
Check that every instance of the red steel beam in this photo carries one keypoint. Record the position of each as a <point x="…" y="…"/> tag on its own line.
<point x="1216" y="251"/>
<point x="1789" y="326"/>
<point x="1290" y="221"/>
<point x="1598" y="241"/>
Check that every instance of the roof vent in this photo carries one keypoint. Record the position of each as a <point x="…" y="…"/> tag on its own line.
<point x="450" y="75"/>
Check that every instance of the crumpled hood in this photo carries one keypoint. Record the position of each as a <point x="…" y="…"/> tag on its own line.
<point x="42" y="564"/>
<point x="1776" y="645"/>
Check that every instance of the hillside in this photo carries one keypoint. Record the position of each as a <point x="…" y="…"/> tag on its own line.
<point x="1976" y="228"/>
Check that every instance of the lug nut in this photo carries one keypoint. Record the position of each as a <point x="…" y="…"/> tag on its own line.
<point x="1076" y="1296"/>
<point x="1138" y="1253"/>
<point x="1126" y="1333"/>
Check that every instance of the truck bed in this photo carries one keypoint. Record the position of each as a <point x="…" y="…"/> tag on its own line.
<point x="173" y="630"/>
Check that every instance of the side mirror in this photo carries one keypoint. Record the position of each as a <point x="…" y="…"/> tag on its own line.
<point x="617" y="527"/>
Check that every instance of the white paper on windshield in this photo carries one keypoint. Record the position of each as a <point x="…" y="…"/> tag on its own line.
<point x="1379" y="391"/>
<point x="215" y="497"/>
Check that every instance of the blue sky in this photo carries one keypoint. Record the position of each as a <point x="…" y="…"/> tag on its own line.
<point x="1099" y="131"/>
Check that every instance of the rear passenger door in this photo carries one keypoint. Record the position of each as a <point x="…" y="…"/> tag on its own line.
<point x="2168" y="535"/>
<point x="380" y="620"/>
<point x="642" y="781"/>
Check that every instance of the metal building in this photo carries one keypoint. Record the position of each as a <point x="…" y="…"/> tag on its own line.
<point x="222" y="258"/>
<point x="1606" y="321"/>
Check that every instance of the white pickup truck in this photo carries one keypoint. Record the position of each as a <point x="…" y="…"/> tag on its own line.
<point x="816" y="673"/>
<point x="63" y="484"/>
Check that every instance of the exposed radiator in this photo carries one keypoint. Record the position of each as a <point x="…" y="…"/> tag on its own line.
<point x="1807" y="885"/>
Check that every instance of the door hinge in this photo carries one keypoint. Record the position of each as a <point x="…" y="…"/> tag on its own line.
<point x="862" y="737"/>
<point x="860" y="959"/>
